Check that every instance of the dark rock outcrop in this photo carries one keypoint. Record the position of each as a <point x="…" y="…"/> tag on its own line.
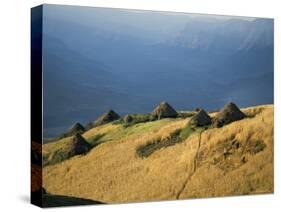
<point x="164" y="110"/>
<point x="229" y="113"/>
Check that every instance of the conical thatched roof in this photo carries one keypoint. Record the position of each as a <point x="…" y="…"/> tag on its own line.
<point x="79" y="145"/>
<point x="90" y="125"/>
<point x="197" y="109"/>
<point x="164" y="110"/>
<point x="201" y="119"/>
<point x="106" y="118"/>
<point x="128" y="118"/>
<point x="229" y="113"/>
<point x="76" y="128"/>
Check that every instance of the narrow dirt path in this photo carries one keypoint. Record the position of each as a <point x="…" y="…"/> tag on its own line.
<point x="194" y="168"/>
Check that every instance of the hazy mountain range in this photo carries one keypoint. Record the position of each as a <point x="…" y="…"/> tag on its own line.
<point x="95" y="59"/>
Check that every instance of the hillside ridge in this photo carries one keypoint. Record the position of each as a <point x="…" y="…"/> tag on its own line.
<point x="240" y="154"/>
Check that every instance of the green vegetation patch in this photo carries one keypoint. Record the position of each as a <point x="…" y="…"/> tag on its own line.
<point x="175" y="137"/>
<point x="252" y="113"/>
<point x="230" y="154"/>
<point x="96" y="139"/>
<point x="255" y="146"/>
<point x="56" y="157"/>
<point x="135" y="129"/>
<point x="186" y="114"/>
<point x="132" y="119"/>
<point x="59" y="151"/>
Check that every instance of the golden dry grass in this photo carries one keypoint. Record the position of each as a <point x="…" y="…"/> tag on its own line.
<point x="113" y="173"/>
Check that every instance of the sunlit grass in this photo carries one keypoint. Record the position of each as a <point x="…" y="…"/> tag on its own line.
<point x="236" y="159"/>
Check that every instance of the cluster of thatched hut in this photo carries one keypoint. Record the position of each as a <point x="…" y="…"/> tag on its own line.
<point x="229" y="113"/>
<point x="200" y="118"/>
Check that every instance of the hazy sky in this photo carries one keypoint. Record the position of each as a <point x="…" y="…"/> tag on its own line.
<point x="153" y="24"/>
<point x="80" y="10"/>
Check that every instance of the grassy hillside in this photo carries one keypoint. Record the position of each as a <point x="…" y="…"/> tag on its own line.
<point x="236" y="159"/>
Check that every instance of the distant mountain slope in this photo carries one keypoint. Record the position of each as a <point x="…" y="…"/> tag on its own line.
<point x="236" y="159"/>
<point x="228" y="36"/>
<point x="130" y="61"/>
